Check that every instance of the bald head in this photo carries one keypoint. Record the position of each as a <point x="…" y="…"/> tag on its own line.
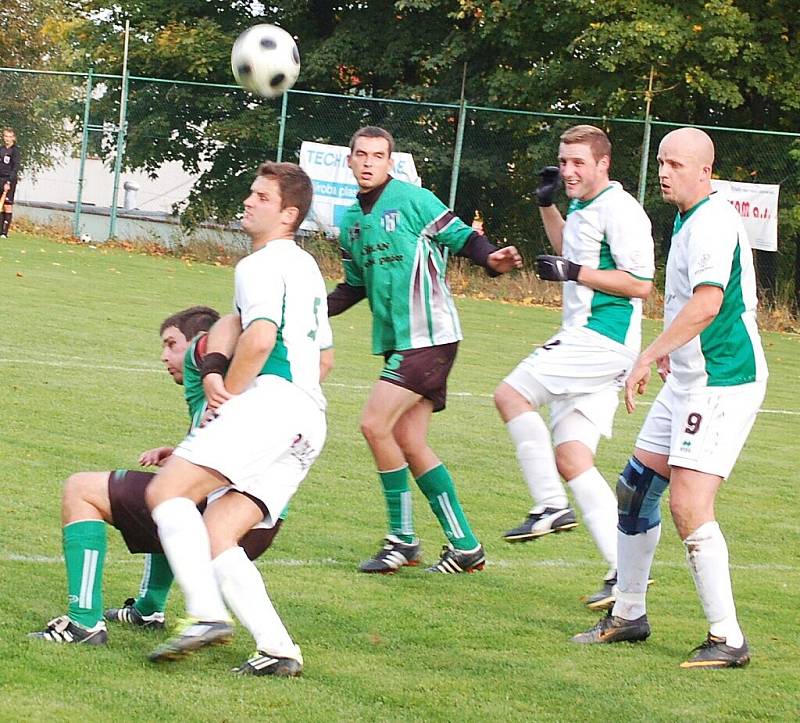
<point x="685" y="159"/>
<point x="694" y="142"/>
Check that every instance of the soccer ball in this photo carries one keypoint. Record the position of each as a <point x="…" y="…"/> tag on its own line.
<point x="265" y="60"/>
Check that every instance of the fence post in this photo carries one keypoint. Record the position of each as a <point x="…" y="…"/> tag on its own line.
<point x="282" y="128"/>
<point x="645" y="142"/>
<point x="121" y="133"/>
<point x="462" y="112"/>
<point x="76" y="223"/>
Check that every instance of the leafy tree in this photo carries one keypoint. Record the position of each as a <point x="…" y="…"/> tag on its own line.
<point x="34" y="105"/>
<point x="713" y="62"/>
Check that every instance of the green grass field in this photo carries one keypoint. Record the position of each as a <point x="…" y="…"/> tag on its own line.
<point x="81" y="388"/>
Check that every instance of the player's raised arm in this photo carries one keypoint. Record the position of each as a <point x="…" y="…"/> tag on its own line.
<point x="550" y="180"/>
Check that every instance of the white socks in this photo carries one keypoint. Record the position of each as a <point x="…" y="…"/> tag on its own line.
<point x="244" y="591"/>
<point x="537" y="460"/>
<point x="598" y="506"/>
<point x="184" y="538"/>
<point x="707" y="555"/>
<point x="636" y="553"/>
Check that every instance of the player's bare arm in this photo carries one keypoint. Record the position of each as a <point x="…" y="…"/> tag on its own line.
<point x="221" y="342"/>
<point x="553" y="223"/>
<point x="701" y="310"/>
<point x="615" y="282"/>
<point x="252" y="350"/>
<point x="325" y="363"/>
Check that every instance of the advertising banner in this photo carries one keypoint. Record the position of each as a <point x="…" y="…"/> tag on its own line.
<point x="334" y="185"/>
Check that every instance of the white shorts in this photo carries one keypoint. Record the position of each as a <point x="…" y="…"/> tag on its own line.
<point x="702" y="429"/>
<point x="576" y="370"/>
<point x="263" y="440"/>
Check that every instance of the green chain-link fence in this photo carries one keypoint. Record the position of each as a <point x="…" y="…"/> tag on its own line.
<point x="217" y="134"/>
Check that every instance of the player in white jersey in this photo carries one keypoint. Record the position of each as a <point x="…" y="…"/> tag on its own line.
<point x="262" y="439"/>
<point x="605" y="259"/>
<point x="711" y="359"/>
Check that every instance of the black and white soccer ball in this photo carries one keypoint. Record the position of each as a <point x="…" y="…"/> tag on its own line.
<point x="265" y="60"/>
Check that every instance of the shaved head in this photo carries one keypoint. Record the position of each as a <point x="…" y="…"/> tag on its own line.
<point x="685" y="159"/>
<point x="694" y="142"/>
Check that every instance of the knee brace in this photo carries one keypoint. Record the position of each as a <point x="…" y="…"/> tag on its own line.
<point x="639" y="491"/>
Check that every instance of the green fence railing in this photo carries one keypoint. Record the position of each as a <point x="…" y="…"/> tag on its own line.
<point x="478" y="158"/>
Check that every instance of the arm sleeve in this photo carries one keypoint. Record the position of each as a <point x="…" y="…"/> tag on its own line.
<point x="15" y="164"/>
<point x="343" y="297"/>
<point x="260" y="292"/>
<point x="630" y="240"/>
<point x="477" y="249"/>
<point x="440" y="223"/>
<point x="711" y="246"/>
<point x="324" y="331"/>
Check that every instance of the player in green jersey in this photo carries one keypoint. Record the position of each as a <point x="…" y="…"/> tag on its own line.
<point x="395" y="241"/>
<point x="92" y="499"/>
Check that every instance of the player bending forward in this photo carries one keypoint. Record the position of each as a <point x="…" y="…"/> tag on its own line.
<point x="263" y="439"/>
<point x="116" y="497"/>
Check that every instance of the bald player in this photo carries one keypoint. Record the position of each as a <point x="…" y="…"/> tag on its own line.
<point x="712" y="364"/>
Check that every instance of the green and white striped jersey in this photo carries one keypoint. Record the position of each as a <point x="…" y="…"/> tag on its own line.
<point x="193" y="391"/>
<point x="282" y="283"/>
<point x="397" y="253"/>
<point x="609" y="231"/>
<point x="710" y="246"/>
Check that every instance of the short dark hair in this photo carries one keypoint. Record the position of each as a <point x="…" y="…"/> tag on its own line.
<point x="372" y="132"/>
<point x="592" y="136"/>
<point x="190" y="322"/>
<point x="294" y="184"/>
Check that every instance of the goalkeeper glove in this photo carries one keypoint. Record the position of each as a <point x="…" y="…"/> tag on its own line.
<point x="556" y="268"/>
<point x="548" y="186"/>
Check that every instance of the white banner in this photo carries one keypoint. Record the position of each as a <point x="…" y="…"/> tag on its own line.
<point x="757" y="204"/>
<point x="335" y="186"/>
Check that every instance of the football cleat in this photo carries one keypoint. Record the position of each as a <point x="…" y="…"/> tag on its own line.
<point x="606" y="596"/>
<point x="193" y="635"/>
<point x="392" y="556"/>
<point x="613" y="629"/>
<point x="64" y="630"/>
<point x="454" y="561"/>
<point x="131" y="616"/>
<point x="542" y="521"/>
<point x="266" y="664"/>
<point x="714" y="653"/>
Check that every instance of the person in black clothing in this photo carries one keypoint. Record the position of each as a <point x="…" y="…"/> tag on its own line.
<point x="9" y="168"/>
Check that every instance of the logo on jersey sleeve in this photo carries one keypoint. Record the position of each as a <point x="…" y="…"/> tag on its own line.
<point x="389" y="220"/>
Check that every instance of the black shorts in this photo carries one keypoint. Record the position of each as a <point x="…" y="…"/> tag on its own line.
<point x="126" y="490"/>
<point x="423" y="371"/>
<point x="10" y="195"/>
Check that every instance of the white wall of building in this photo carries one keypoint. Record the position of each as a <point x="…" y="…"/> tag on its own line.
<point x="59" y="184"/>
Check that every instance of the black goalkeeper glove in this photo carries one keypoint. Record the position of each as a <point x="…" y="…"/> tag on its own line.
<point x="548" y="186"/>
<point x="556" y="268"/>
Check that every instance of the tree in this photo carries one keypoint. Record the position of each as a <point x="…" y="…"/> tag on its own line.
<point x="713" y="62"/>
<point x="34" y="105"/>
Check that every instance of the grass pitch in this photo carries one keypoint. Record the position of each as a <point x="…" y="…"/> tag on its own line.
<point x="82" y="389"/>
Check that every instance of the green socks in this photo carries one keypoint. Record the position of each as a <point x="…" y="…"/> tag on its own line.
<point x="437" y="485"/>
<point x="84" y="553"/>
<point x="398" y="503"/>
<point x="156" y="582"/>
